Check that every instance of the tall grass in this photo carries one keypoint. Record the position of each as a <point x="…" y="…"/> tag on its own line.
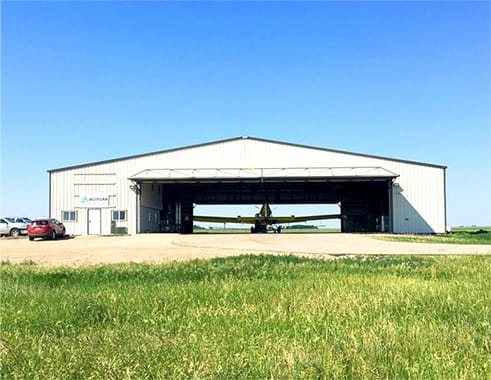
<point x="250" y="317"/>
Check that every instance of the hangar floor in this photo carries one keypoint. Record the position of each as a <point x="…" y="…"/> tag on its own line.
<point x="154" y="248"/>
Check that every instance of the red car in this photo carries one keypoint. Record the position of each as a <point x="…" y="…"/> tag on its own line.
<point x="46" y="228"/>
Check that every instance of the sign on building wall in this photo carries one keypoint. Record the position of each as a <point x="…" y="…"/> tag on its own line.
<point x="94" y="200"/>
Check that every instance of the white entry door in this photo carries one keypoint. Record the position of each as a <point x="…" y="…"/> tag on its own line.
<point x="94" y="216"/>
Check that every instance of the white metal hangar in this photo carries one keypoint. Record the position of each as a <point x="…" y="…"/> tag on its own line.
<point x="155" y="192"/>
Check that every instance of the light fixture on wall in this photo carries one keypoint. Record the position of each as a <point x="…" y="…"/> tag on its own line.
<point x="136" y="188"/>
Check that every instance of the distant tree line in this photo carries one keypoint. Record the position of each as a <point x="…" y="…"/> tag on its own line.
<point x="301" y="226"/>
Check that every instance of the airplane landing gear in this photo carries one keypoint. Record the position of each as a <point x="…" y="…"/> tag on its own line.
<point x="259" y="228"/>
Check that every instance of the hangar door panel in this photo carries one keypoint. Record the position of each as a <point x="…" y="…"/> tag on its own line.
<point x="151" y="195"/>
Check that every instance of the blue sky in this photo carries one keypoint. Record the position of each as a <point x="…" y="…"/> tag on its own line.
<point x="89" y="81"/>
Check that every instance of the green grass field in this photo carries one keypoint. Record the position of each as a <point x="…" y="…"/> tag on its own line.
<point x="471" y="228"/>
<point x="250" y="317"/>
<point x="458" y="236"/>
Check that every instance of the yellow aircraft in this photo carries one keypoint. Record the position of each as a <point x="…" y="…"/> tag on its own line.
<point x="263" y="219"/>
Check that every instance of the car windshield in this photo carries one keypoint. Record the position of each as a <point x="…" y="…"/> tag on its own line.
<point x="27" y="220"/>
<point x="11" y="220"/>
<point x="39" y="222"/>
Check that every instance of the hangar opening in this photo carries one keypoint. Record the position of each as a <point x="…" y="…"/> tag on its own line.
<point x="287" y="211"/>
<point x="167" y="198"/>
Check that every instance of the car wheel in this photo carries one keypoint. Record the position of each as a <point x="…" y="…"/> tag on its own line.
<point x="14" y="232"/>
<point x="53" y="235"/>
<point x="31" y="238"/>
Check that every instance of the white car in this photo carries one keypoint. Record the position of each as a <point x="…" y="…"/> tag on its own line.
<point x="21" y="219"/>
<point x="9" y="227"/>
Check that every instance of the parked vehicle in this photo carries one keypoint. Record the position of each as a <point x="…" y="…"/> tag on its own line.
<point x="46" y="228"/>
<point x="9" y="227"/>
<point x="22" y="219"/>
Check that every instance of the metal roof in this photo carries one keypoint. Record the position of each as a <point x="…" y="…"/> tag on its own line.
<point x="239" y="138"/>
<point x="244" y="174"/>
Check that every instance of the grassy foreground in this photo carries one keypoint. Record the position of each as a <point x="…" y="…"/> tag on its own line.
<point x="250" y="317"/>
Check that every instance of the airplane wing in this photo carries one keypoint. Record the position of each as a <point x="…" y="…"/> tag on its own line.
<point x="270" y="220"/>
<point x="305" y="218"/>
<point x="225" y="219"/>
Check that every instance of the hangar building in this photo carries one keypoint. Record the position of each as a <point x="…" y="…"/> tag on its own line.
<point x="155" y="192"/>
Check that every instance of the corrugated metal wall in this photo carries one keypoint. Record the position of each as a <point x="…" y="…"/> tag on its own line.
<point x="418" y="198"/>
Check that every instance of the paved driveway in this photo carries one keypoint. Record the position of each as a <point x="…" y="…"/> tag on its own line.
<point x="91" y="250"/>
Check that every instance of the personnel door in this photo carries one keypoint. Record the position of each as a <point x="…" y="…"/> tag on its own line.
<point x="94" y="221"/>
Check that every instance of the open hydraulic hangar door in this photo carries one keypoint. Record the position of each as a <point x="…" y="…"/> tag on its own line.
<point x="168" y="207"/>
